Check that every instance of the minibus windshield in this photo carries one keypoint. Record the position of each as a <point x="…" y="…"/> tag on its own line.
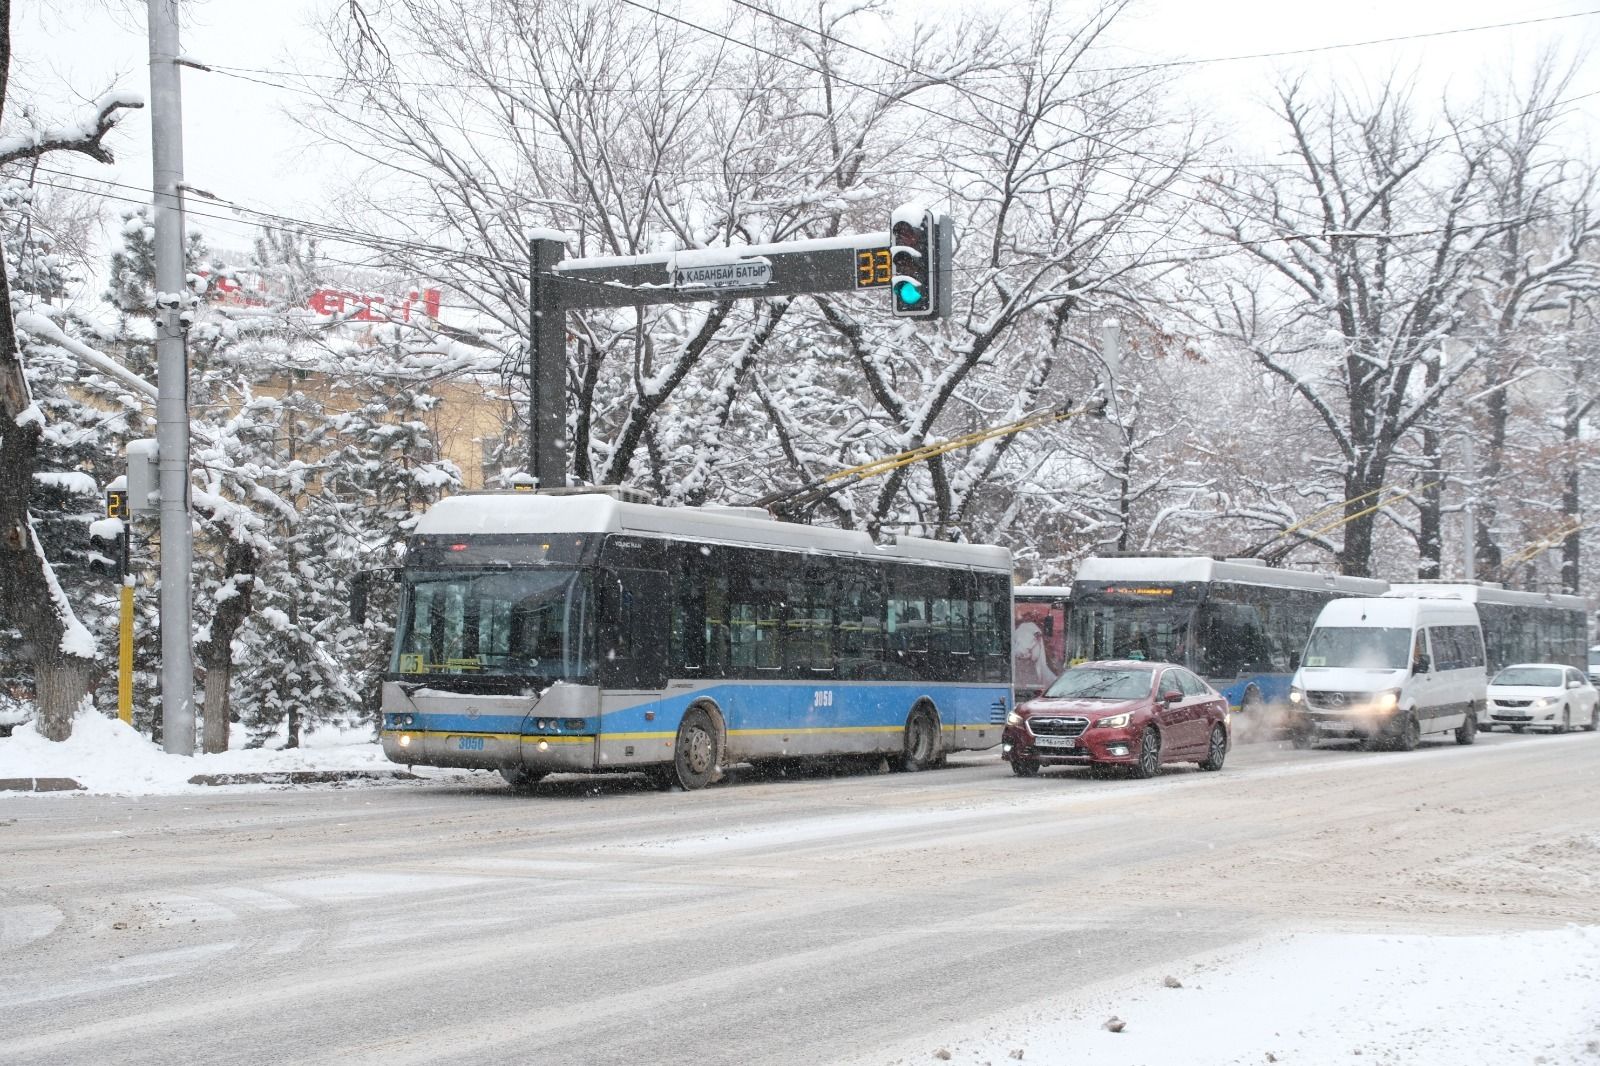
<point x="1358" y="647"/>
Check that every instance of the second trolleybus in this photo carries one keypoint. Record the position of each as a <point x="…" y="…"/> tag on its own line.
<point x="1239" y="623"/>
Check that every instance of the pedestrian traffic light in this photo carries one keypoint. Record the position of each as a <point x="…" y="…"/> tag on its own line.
<point x="913" y="239"/>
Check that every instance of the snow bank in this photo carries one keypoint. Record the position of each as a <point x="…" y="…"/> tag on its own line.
<point x="1525" y="997"/>
<point x="108" y="757"/>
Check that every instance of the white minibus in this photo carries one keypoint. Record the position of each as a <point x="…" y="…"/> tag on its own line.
<point x="1388" y="670"/>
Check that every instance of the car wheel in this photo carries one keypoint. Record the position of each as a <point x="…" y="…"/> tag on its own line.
<point x="521" y="778"/>
<point x="1518" y="728"/>
<point x="694" y="755"/>
<point x="1303" y="737"/>
<point x="1467" y="732"/>
<point x="1594" y="718"/>
<point x="1025" y="767"/>
<point x="1217" y="750"/>
<point x="920" y="747"/>
<point x="1486" y="727"/>
<point x="1149" y="762"/>
<point x="1566" y="721"/>
<point x="1410" y="734"/>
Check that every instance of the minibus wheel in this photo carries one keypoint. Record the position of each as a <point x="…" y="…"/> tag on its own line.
<point x="1410" y="734"/>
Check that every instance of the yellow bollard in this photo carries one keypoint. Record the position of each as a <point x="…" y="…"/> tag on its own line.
<point x="125" y="653"/>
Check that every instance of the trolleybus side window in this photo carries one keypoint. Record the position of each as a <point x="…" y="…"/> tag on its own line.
<point x="860" y="615"/>
<point x="690" y="630"/>
<point x="809" y="647"/>
<point x="905" y="623"/>
<point x="951" y="631"/>
<point x="990" y="620"/>
<point x="756" y="616"/>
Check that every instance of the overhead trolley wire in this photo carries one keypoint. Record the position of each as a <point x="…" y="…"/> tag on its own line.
<point x="1116" y="69"/>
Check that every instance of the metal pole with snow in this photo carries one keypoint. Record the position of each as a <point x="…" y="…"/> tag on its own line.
<point x="174" y="311"/>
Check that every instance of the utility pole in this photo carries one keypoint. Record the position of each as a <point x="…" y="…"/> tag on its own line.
<point x="1469" y="516"/>
<point x="174" y="311"/>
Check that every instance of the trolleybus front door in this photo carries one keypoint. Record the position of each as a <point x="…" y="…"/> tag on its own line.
<point x="633" y="666"/>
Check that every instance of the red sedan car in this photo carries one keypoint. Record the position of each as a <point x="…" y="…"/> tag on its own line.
<point x="1128" y="713"/>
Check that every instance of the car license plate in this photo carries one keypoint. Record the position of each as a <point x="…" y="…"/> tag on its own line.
<point x="466" y="743"/>
<point x="1055" y="742"/>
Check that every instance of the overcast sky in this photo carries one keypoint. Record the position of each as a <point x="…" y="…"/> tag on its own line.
<point x="239" y="145"/>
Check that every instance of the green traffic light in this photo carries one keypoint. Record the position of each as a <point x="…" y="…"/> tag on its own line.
<point x="909" y="291"/>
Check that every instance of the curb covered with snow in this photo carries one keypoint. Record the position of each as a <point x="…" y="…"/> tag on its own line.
<point x="107" y="757"/>
<point x="1402" y="1000"/>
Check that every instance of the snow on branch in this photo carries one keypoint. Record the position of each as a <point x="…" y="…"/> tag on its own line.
<point x="47" y="331"/>
<point x="87" y="135"/>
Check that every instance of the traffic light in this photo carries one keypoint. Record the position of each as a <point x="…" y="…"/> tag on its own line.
<point x="913" y="238"/>
<point x="107" y="543"/>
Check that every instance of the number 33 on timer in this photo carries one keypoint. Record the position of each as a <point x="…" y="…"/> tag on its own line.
<point x="874" y="268"/>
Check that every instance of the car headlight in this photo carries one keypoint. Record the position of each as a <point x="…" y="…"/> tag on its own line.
<point x="1296" y="695"/>
<point x="1115" y="721"/>
<point x="1013" y="718"/>
<point x="1387" y="700"/>
<point x="1546" y="701"/>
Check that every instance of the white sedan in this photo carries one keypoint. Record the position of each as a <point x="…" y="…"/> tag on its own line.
<point x="1543" y="695"/>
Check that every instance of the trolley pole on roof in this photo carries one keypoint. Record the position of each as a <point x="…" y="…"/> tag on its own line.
<point x="713" y="275"/>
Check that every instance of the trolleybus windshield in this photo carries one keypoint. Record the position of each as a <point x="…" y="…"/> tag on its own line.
<point x="502" y="622"/>
<point x="1114" y="627"/>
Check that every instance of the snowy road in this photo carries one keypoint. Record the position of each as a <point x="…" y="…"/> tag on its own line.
<point x="761" y="921"/>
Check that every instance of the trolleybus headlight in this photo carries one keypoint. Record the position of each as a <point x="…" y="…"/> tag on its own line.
<point x="405" y="741"/>
<point x="1115" y="721"/>
<point x="1013" y="718"/>
<point x="1296" y="695"/>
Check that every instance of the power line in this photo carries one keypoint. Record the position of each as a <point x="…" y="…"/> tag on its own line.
<point x="380" y="242"/>
<point x="1118" y="69"/>
<point x="1426" y="35"/>
<point x="1121" y="174"/>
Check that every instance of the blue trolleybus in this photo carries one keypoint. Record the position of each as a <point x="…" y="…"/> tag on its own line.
<point x="586" y="631"/>
<point x="1238" y="623"/>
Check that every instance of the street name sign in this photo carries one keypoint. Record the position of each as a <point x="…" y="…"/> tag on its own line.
<point x="746" y="274"/>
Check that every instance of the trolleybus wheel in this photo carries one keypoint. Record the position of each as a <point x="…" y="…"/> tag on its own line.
<point x="921" y="748"/>
<point x="694" y="755"/>
<point x="521" y="778"/>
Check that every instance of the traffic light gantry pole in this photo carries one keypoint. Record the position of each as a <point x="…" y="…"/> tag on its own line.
<point x="912" y="259"/>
